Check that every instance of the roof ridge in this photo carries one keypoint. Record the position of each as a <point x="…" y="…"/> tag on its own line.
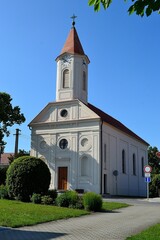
<point x="114" y="122"/>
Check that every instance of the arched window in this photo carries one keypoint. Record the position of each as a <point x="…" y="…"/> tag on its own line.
<point x="84" y="166"/>
<point x="123" y="161"/>
<point x="105" y="156"/>
<point x="84" y="82"/>
<point x="66" y="78"/>
<point x="142" y="166"/>
<point x="134" y="164"/>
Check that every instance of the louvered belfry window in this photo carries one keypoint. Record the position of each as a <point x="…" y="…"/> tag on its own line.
<point x="84" y="81"/>
<point x="66" y="78"/>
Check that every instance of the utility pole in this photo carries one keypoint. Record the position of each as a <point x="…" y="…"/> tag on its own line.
<point x="16" y="141"/>
<point x="1" y="151"/>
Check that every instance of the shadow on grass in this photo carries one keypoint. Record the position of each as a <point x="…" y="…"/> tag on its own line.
<point x="16" y="234"/>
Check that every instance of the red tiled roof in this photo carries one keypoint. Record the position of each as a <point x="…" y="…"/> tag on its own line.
<point x="4" y="158"/>
<point x="115" y="123"/>
<point x="73" y="44"/>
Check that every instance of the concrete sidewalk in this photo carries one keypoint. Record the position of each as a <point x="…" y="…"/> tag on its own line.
<point x="114" y="225"/>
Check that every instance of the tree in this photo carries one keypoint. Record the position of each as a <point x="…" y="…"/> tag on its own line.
<point x="21" y="153"/>
<point x="9" y="116"/>
<point x="140" y="7"/>
<point x="153" y="160"/>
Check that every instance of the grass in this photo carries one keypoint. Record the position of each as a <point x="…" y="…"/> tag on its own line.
<point x="17" y="214"/>
<point x="110" y="206"/>
<point x="152" y="233"/>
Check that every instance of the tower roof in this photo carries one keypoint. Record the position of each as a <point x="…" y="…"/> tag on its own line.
<point x="73" y="44"/>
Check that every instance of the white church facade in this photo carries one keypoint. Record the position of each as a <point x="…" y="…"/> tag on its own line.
<point x="85" y="148"/>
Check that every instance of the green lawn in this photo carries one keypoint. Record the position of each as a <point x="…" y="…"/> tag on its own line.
<point x="16" y="213"/>
<point x="109" y="206"/>
<point x="152" y="233"/>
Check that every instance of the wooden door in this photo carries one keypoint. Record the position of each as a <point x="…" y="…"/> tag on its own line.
<point x="62" y="178"/>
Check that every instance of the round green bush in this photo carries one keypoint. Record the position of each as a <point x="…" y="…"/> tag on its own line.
<point x="92" y="201"/>
<point x="27" y="175"/>
<point x="67" y="199"/>
<point x="3" y="175"/>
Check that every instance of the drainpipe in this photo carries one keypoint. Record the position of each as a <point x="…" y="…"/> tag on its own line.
<point x="101" y="157"/>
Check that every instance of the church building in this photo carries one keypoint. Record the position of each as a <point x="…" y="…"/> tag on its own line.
<point x="85" y="148"/>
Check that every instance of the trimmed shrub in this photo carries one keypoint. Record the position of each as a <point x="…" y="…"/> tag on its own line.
<point x="92" y="201"/>
<point x="3" y="175"/>
<point x="78" y="204"/>
<point x="52" y="193"/>
<point x="67" y="199"/>
<point x="27" y="175"/>
<point x="154" y="185"/>
<point x="47" y="200"/>
<point x="36" y="198"/>
<point x="4" y="192"/>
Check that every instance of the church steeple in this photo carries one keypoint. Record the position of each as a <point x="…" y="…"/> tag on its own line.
<point x="72" y="69"/>
<point x="73" y="44"/>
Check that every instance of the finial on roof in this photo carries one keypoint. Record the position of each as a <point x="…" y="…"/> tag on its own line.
<point x="73" y="20"/>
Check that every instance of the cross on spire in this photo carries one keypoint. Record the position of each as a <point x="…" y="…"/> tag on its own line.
<point x="73" y="20"/>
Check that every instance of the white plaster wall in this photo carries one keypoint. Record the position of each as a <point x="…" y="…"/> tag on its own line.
<point x="124" y="184"/>
<point x="78" y="124"/>
<point x="76" y="67"/>
<point x="81" y="123"/>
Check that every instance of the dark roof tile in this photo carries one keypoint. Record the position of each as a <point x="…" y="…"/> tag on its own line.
<point x="115" y="123"/>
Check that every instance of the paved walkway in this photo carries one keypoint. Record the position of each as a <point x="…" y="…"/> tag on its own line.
<point x="114" y="225"/>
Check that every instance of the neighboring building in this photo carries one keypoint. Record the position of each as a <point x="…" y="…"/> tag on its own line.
<point x="84" y="147"/>
<point x="4" y="161"/>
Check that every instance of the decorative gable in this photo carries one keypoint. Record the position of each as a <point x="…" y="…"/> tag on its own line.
<point x="64" y="111"/>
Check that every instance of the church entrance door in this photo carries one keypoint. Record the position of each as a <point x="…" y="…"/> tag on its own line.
<point x="62" y="178"/>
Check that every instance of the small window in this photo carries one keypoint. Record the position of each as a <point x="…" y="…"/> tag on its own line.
<point x="123" y="161"/>
<point x="84" y="82"/>
<point x="64" y="113"/>
<point x="63" y="144"/>
<point x="134" y="164"/>
<point x="66" y="78"/>
<point x="142" y="166"/>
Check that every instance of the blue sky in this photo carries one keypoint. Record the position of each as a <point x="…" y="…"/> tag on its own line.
<point x="124" y="53"/>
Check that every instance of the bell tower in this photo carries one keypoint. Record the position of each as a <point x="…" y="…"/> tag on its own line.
<point x="72" y="69"/>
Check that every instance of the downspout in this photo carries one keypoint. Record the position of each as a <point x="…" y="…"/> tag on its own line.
<point x="101" y="157"/>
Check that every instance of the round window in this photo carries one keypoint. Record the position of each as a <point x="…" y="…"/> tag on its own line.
<point x="43" y="145"/>
<point x="84" y="142"/>
<point x="63" y="144"/>
<point x="64" y="113"/>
